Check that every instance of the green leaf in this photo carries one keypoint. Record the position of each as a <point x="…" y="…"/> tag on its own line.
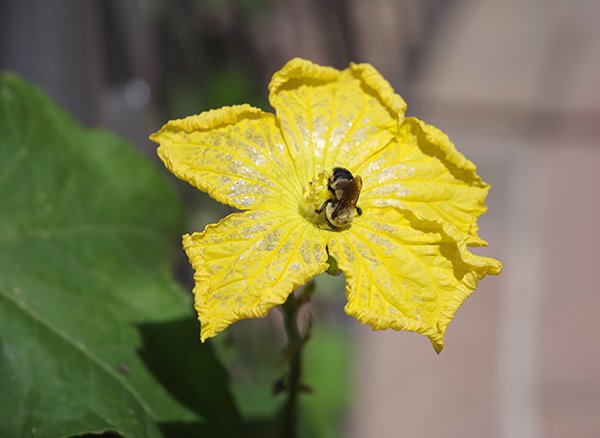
<point x="87" y="228"/>
<point x="209" y="397"/>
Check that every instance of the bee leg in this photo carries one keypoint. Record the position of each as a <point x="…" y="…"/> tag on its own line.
<point x="358" y="210"/>
<point x="320" y="210"/>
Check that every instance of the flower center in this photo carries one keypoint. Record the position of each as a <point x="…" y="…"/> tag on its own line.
<point x="314" y="195"/>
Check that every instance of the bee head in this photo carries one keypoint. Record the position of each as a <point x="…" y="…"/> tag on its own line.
<point x="341" y="173"/>
<point x="338" y="182"/>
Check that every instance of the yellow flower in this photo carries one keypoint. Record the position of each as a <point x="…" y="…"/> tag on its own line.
<point x="405" y="258"/>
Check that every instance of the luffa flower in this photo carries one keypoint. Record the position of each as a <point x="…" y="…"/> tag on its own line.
<point x="405" y="258"/>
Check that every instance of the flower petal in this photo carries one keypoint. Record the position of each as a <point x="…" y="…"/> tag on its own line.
<point x="236" y="154"/>
<point x="404" y="278"/>
<point x="250" y="262"/>
<point x="333" y="118"/>
<point x="425" y="173"/>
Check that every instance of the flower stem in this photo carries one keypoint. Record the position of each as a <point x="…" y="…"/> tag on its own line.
<point x="292" y="381"/>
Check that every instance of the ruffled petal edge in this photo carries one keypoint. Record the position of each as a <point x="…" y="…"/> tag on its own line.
<point x="204" y="122"/>
<point x="373" y="79"/>
<point x="280" y="293"/>
<point x="298" y="68"/>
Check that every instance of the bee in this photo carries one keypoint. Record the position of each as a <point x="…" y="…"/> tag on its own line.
<point x="341" y="208"/>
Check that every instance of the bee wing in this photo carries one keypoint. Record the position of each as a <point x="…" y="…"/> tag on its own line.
<point x="350" y="196"/>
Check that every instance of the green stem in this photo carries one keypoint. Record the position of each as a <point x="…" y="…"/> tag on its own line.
<point x="292" y="381"/>
<point x="290" y="414"/>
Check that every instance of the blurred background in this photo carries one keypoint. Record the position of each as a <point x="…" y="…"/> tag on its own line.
<point x="514" y="83"/>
